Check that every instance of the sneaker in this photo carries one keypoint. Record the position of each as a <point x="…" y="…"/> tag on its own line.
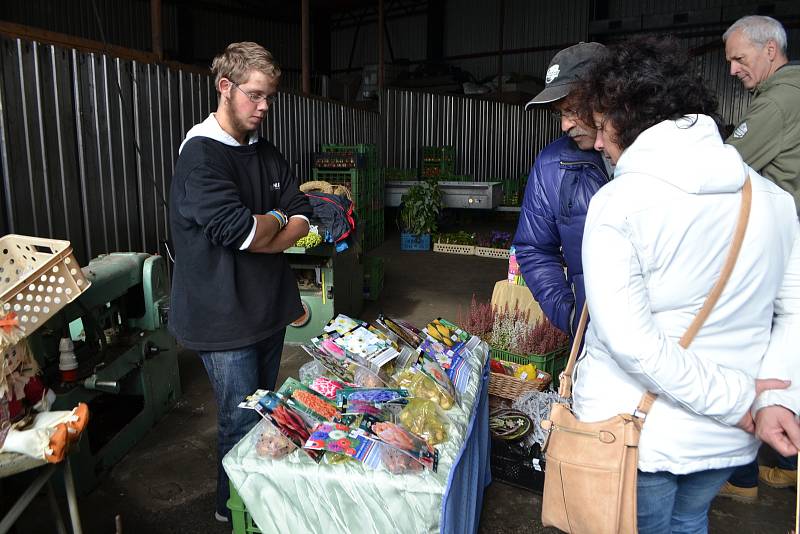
<point x="743" y="495"/>
<point x="775" y="477"/>
<point x="221" y="518"/>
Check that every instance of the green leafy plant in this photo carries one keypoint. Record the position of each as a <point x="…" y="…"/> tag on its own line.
<point x="420" y="208"/>
<point x="456" y="238"/>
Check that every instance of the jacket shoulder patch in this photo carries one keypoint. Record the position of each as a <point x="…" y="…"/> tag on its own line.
<point x="740" y="131"/>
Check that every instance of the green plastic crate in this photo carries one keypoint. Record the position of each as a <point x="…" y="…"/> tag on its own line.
<point x="552" y="362"/>
<point x="373" y="276"/>
<point x="241" y="520"/>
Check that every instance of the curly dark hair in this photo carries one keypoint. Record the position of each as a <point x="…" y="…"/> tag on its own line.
<point x="640" y="83"/>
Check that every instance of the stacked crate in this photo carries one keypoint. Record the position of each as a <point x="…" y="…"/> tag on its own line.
<point x="438" y="163"/>
<point x="356" y="167"/>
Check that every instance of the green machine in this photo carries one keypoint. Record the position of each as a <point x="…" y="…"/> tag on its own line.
<point x="330" y="283"/>
<point x="127" y="365"/>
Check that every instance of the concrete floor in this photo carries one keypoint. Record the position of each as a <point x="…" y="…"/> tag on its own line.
<point x="166" y="483"/>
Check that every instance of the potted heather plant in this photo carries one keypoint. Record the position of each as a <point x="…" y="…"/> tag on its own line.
<point x="513" y="337"/>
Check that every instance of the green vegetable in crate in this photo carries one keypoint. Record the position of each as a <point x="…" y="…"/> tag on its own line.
<point x="309" y="241"/>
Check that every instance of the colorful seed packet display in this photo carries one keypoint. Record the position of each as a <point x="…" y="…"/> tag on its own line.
<point x="287" y="421"/>
<point x="403" y="441"/>
<point x="341" y="439"/>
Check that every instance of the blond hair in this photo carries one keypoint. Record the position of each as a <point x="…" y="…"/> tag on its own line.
<point x="240" y="58"/>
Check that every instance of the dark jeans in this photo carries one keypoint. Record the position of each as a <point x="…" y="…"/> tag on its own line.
<point x="234" y="374"/>
<point x="746" y="476"/>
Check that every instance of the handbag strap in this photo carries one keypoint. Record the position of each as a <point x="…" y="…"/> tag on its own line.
<point x="565" y="387"/>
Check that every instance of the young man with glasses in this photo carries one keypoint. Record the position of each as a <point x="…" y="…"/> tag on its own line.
<point x="564" y="177"/>
<point x="235" y="206"/>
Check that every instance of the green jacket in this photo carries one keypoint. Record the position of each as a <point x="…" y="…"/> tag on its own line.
<point x="768" y="138"/>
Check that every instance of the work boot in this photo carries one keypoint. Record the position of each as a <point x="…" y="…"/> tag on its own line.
<point x="775" y="477"/>
<point x="743" y="495"/>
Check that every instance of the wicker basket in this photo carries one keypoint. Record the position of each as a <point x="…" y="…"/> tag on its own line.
<point x="511" y="388"/>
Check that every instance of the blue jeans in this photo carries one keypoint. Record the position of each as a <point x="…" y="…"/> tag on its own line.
<point x="234" y="374"/>
<point x="746" y="476"/>
<point x="672" y="504"/>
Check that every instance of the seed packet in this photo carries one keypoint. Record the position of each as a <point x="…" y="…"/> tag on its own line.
<point x="340" y="368"/>
<point x="340" y="324"/>
<point x="455" y="366"/>
<point x="461" y="335"/>
<point x="371" y="395"/>
<point x="326" y="387"/>
<point x="251" y="401"/>
<point x="430" y="367"/>
<point x="342" y="439"/>
<point x="403" y="329"/>
<point x="287" y="421"/>
<point x="306" y="400"/>
<point x="404" y="441"/>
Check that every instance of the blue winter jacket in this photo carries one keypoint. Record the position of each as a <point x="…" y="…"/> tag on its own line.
<point x="562" y="181"/>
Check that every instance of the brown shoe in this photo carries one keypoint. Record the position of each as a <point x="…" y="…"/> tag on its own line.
<point x="743" y="495"/>
<point x="775" y="477"/>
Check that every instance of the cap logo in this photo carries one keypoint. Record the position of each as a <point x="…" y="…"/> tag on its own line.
<point x="552" y="73"/>
<point x="740" y="131"/>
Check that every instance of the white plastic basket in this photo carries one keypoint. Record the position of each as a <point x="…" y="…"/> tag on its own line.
<point x="38" y="277"/>
<point x="486" y="252"/>
<point x="449" y="248"/>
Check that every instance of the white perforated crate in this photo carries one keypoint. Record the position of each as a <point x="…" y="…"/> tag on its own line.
<point x="499" y="253"/>
<point x="38" y="277"/>
<point x="449" y="248"/>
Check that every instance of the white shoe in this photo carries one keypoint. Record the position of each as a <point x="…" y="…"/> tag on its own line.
<point x="221" y="518"/>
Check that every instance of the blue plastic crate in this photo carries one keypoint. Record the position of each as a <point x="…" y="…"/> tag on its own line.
<point x="415" y="242"/>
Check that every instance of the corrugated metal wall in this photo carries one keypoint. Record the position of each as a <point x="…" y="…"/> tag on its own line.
<point x="127" y="23"/>
<point x="492" y="140"/>
<point x="69" y="165"/>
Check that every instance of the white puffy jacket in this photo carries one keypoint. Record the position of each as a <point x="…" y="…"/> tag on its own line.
<point x="655" y="241"/>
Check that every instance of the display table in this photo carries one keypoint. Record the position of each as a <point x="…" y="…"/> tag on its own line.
<point x="294" y="494"/>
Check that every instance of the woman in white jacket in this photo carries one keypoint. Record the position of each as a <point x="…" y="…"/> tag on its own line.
<point x="656" y="239"/>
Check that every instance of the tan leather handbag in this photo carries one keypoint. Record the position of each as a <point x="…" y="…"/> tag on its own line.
<point x="591" y="468"/>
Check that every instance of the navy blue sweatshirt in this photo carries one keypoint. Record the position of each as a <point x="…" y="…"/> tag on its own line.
<point x="224" y="298"/>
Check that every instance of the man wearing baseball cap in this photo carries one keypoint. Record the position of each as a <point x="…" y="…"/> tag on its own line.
<point x="564" y="177"/>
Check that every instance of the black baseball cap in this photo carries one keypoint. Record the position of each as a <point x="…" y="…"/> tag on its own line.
<point x="565" y="70"/>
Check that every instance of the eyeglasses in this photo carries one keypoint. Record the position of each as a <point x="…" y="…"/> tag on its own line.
<point x="568" y="114"/>
<point x="257" y="98"/>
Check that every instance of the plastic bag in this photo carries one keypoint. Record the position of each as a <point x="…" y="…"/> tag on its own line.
<point x="424" y="387"/>
<point x="424" y="418"/>
<point x="366" y="378"/>
<point x="397" y="462"/>
<point x="270" y="443"/>
<point x="311" y="370"/>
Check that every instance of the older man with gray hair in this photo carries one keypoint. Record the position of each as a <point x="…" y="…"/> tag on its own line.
<point x="768" y="138"/>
